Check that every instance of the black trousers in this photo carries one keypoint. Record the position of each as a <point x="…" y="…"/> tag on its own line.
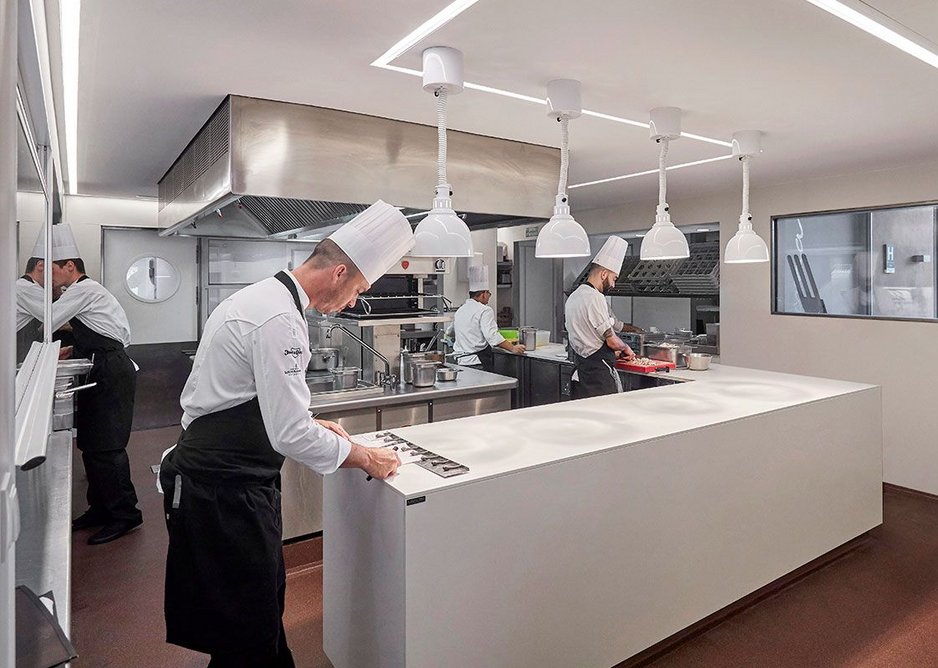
<point x="103" y="419"/>
<point x="111" y="494"/>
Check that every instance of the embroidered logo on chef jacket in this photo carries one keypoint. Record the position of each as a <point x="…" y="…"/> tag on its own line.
<point x="295" y="353"/>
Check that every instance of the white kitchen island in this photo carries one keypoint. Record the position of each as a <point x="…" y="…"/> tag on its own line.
<point x="588" y="531"/>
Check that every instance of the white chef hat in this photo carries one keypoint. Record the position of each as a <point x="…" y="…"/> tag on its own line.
<point x="612" y="254"/>
<point x="478" y="277"/>
<point x="375" y="239"/>
<point x="63" y="243"/>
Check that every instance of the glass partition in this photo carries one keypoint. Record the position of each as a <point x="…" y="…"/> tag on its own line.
<point x="873" y="263"/>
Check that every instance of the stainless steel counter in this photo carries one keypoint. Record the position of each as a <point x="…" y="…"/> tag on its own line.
<point x="468" y="381"/>
<point x="473" y="393"/>
<point x="43" y="550"/>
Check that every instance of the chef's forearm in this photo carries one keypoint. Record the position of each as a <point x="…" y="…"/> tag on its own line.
<point x="357" y="458"/>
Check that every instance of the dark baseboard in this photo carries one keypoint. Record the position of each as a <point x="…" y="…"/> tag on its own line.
<point x="303" y="551"/>
<point x="658" y="650"/>
<point x="908" y="491"/>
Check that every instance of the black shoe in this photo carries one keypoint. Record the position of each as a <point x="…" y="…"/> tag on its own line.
<point x="113" y="531"/>
<point x="87" y="520"/>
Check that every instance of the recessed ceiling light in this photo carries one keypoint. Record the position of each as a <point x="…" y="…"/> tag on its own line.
<point x="649" y="171"/>
<point x="863" y="21"/>
<point x="71" y="28"/>
<point x="703" y="229"/>
<point x="450" y="12"/>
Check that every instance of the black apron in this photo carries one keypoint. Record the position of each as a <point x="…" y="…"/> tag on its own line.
<point x="225" y="576"/>
<point x="104" y="414"/>
<point x="595" y="374"/>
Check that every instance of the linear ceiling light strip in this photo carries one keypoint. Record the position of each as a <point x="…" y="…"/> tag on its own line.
<point x="450" y="12"/>
<point x="71" y="26"/>
<point x="650" y="171"/>
<point x="878" y="29"/>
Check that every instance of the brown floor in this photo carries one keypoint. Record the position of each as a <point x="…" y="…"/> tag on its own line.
<point x="117" y="589"/>
<point x="876" y="607"/>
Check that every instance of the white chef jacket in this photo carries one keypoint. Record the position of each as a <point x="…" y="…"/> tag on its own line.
<point x="93" y="305"/>
<point x="29" y="300"/>
<point x="256" y="344"/>
<point x="587" y="317"/>
<point x="475" y="328"/>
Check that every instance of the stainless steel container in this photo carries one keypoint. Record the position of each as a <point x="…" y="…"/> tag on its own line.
<point x="663" y="352"/>
<point x="527" y="337"/>
<point x="346" y="377"/>
<point x="713" y="333"/>
<point x="698" y="361"/>
<point x="446" y="374"/>
<point x="424" y="373"/>
<point x="323" y="359"/>
<point x="320" y="382"/>
<point x="407" y="365"/>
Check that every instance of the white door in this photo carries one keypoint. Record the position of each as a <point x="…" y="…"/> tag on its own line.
<point x="155" y="279"/>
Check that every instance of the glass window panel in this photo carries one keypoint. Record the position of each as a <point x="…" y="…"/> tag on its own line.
<point x="876" y="263"/>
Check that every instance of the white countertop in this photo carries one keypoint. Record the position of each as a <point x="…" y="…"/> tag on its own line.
<point x="502" y="443"/>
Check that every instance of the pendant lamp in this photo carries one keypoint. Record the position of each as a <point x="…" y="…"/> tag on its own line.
<point x="562" y="236"/>
<point x="442" y="233"/>
<point x="746" y="246"/>
<point x="664" y="241"/>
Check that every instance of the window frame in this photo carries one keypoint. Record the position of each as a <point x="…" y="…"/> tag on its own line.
<point x="773" y="264"/>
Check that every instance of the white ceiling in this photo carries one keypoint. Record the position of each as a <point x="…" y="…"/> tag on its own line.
<point x="830" y="98"/>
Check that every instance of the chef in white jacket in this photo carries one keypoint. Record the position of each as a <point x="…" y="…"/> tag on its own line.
<point x="103" y="413"/>
<point x="246" y="408"/>
<point x="475" y="327"/>
<point x="591" y="325"/>
<point x="30" y="299"/>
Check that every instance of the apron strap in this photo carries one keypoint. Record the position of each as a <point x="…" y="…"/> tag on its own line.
<point x="291" y="286"/>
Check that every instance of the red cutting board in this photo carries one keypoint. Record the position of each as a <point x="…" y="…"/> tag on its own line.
<point x="658" y="366"/>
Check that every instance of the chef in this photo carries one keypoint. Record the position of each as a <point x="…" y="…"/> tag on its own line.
<point x="246" y="408"/>
<point x="591" y="326"/>
<point x="474" y="325"/>
<point x="103" y="413"/>
<point x="29" y="299"/>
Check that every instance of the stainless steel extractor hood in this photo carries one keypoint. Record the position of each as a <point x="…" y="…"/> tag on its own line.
<point x="261" y="169"/>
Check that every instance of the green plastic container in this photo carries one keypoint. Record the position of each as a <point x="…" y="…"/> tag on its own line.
<point x="510" y="334"/>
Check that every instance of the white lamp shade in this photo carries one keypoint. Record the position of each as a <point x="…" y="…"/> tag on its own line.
<point x="562" y="236"/>
<point x="664" y="242"/>
<point x="746" y="246"/>
<point x="442" y="234"/>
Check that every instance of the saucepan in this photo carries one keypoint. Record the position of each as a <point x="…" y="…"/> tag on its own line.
<point x="323" y="359"/>
<point x="698" y="361"/>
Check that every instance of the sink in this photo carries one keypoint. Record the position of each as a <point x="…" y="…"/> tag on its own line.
<point x="362" y="390"/>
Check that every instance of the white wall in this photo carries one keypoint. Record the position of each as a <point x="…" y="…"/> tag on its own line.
<point x="87" y="215"/>
<point x="456" y="283"/>
<point x="895" y="355"/>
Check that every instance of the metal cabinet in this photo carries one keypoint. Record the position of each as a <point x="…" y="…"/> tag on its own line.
<point x="548" y="382"/>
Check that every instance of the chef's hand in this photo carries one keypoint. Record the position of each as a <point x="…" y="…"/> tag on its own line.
<point x="381" y="463"/>
<point x="627" y="354"/>
<point x="335" y="427"/>
<point x="517" y="350"/>
<point x="65" y="352"/>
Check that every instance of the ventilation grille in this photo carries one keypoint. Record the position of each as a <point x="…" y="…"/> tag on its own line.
<point x="280" y="214"/>
<point x="210" y="144"/>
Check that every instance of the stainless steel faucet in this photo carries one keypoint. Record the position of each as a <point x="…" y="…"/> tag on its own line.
<point x="388" y="379"/>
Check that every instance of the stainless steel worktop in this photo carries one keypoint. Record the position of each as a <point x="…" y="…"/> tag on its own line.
<point x="43" y="550"/>
<point x="468" y="382"/>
